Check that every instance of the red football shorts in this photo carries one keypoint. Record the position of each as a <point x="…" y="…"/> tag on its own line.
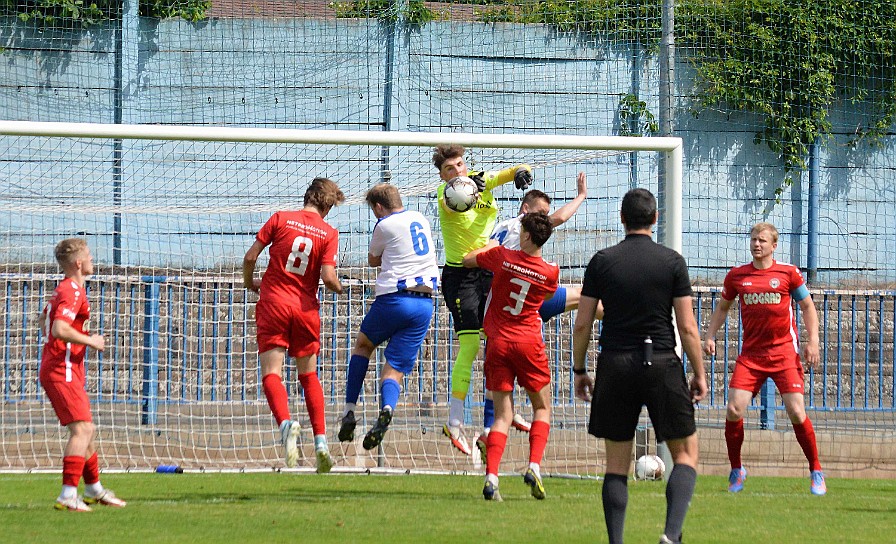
<point x="69" y="400"/>
<point x="287" y="326"/>
<point x="751" y="372"/>
<point x="505" y="360"/>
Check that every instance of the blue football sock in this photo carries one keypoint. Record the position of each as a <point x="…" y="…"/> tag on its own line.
<point x="357" y="371"/>
<point x="488" y="414"/>
<point x="389" y="392"/>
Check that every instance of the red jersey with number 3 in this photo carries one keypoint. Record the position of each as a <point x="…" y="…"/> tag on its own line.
<point x="64" y="361"/>
<point x="301" y="242"/>
<point x="766" y="311"/>
<point x="519" y="286"/>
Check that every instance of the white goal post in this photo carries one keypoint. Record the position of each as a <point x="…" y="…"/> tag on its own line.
<point x="169" y="212"/>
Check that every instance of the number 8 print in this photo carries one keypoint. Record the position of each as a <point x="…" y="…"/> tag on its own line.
<point x="299" y="256"/>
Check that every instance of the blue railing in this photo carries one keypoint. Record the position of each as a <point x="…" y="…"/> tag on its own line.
<point x="178" y="340"/>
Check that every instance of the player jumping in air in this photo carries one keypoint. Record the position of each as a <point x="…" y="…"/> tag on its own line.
<point x="64" y="324"/>
<point x="465" y="289"/>
<point x="515" y="349"/>
<point x="401" y="244"/>
<point x="303" y="252"/>
<point x="770" y="348"/>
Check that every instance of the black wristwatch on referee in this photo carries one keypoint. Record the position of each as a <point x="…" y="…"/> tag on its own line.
<point x="579" y="371"/>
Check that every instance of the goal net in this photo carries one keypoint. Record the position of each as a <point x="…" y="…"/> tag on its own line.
<point x="169" y="212"/>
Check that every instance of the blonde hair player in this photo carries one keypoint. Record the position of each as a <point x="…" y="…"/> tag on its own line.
<point x="770" y="349"/>
<point x="64" y="323"/>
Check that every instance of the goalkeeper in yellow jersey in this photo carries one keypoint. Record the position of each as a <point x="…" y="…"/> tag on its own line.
<point x="465" y="289"/>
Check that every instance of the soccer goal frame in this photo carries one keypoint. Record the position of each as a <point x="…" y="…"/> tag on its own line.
<point x="156" y="318"/>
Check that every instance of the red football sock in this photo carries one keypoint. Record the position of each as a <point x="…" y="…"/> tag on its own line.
<point x="72" y="468"/>
<point x="314" y="401"/>
<point x="538" y="440"/>
<point x="495" y="450"/>
<point x="92" y="469"/>
<point x="805" y="435"/>
<point x="275" y="392"/>
<point x="734" y="439"/>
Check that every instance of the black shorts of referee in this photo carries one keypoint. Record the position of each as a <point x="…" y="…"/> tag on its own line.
<point x="623" y="384"/>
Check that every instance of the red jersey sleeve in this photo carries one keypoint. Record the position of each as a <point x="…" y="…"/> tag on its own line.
<point x="490" y="259"/>
<point x="266" y="234"/>
<point x="729" y="287"/>
<point x="330" y="249"/>
<point x="796" y="278"/>
<point x="67" y="304"/>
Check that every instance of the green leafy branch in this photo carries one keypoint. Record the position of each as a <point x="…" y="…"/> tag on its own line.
<point x="634" y="117"/>
<point x="414" y="12"/>
<point x="75" y="13"/>
<point x="791" y="62"/>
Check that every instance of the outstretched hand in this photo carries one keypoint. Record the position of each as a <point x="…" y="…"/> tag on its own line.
<point x="522" y="178"/>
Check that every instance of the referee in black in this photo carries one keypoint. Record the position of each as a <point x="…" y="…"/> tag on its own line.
<point x="639" y="283"/>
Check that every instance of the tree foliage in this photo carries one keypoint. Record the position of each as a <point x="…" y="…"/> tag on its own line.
<point x="791" y="62"/>
<point x="413" y="12"/>
<point x="87" y="13"/>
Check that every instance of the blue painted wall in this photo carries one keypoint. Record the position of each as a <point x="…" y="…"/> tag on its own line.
<point x="206" y="200"/>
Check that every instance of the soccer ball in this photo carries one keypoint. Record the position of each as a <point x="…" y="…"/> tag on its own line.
<point x="649" y="467"/>
<point x="461" y="193"/>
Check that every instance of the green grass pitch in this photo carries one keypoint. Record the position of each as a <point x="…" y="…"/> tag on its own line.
<point x="291" y="507"/>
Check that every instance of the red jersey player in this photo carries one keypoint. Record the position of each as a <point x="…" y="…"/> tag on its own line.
<point x="770" y="347"/>
<point x="64" y="323"/>
<point x="303" y="252"/>
<point x="515" y="348"/>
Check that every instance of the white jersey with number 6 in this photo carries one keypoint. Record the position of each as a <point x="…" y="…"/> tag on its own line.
<point x="404" y="241"/>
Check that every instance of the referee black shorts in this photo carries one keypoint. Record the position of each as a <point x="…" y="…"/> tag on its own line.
<point x="465" y="291"/>
<point x="623" y="384"/>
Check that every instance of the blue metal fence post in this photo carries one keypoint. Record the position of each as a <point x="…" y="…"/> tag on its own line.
<point x="814" y="202"/>
<point x="767" y="405"/>
<point x="150" y="401"/>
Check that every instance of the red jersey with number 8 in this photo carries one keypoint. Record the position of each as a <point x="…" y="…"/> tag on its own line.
<point x="301" y="242"/>
<point x="519" y="286"/>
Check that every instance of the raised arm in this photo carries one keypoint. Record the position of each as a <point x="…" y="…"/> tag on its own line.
<point x="563" y="213"/>
<point x="520" y="175"/>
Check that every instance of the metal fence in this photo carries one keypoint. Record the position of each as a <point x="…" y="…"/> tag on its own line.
<point x="173" y="340"/>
